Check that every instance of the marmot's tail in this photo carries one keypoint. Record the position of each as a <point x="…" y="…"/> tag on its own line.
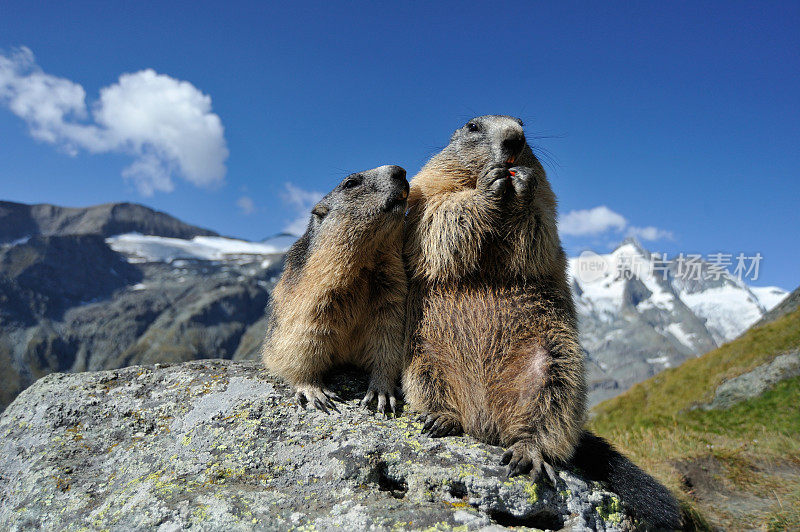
<point x="650" y="501"/>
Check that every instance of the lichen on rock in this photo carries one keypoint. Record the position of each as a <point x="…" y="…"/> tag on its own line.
<point x="218" y="445"/>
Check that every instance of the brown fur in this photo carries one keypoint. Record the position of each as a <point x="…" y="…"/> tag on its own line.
<point x="491" y="327"/>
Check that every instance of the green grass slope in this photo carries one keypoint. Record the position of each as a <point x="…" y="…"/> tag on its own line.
<point x="737" y="468"/>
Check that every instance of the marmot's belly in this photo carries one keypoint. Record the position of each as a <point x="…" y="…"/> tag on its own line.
<point x="487" y="344"/>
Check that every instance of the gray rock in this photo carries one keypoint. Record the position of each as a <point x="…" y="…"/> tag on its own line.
<point x="754" y="383"/>
<point x="220" y="445"/>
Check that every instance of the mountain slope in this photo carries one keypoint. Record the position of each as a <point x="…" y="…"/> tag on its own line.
<point x="739" y="466"/>
<point x="18" y="221"/>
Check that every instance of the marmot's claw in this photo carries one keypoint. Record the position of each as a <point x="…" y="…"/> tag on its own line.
<point x="333" y="396"/>
<point x="551" y="473"/>
<point x="382" y="399"/>
<point x="522" y="457"/>
<point x="301" y="399"/>
<point x="381" y="403"/>
<point x="439" y="425"/>
<point x="319" y="398"/>
<point x="369" y="397"/>
<point x="320" y="405"/>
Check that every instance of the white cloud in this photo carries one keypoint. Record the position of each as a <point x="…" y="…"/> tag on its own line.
<point x="599" y="220"/>
<point x="591" y="221"/>
<point x="165" y="124"/>
<point x="246" y="205"/>
<point x="302" y="201"/>
<point x="650" y="233"/>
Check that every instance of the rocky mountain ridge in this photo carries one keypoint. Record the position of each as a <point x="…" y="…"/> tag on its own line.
<point x="70" y="302"/>
<point x="20" y="221"/>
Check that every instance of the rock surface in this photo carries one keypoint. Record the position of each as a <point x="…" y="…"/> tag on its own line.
<point x="219" y="445"/>
<point x="754" y="383"/>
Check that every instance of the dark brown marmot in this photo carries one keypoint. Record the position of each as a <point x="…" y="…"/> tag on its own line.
<point x="495" y="345"/>
<point x="492" y="339"/>
<point x="340" y="299"/>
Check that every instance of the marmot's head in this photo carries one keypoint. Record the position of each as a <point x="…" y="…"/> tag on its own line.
<point x="490" y="140"/>
<point x="361" y="212"/>
<point x="364" y="201"/>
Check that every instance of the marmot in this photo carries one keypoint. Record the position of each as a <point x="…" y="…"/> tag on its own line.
<point x="341" y="296"/>
<point x="492" y="338"/>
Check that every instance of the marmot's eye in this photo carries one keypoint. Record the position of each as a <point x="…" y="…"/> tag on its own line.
<point x="472" y="126"/>
<point x="352" y="182"/>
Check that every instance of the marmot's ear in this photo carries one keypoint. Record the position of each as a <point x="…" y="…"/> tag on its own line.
<point x="320" y="210"/>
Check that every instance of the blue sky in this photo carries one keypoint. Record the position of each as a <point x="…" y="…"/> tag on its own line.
<point x="679" y="122"/>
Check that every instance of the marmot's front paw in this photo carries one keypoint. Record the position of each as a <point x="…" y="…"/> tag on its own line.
<point x="382" y="396"/>
<point x="439" y="424"/>
<point x="495" y="181"/>
<point x="316" y="397"/>
<point x="523" y="179"/>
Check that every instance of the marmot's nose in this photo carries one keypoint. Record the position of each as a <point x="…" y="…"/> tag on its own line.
<point x="512" y="146"/>
<point x="396" y="172"/>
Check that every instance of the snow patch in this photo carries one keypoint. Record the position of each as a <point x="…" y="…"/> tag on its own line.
<point x="729" y="310"/>
<point x="678" y="333"/>
<point x="769" y="296"/>
<point x="146" y="248"/>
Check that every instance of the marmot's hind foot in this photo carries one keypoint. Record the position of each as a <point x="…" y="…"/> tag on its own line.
<point x="525" y="457"/>
<point x="317" y="397"/>
<point x="439" y="424"/>
<point x="382" y="399"/>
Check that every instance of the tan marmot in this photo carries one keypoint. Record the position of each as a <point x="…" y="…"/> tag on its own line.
<point x="341" y="297"/>
<point x="492" y="335"/>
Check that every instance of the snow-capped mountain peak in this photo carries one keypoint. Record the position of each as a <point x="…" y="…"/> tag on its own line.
<point x="641" y="312"/>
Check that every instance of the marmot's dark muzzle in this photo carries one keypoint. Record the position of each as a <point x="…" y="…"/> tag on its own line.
<point x="396" y="173"/>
